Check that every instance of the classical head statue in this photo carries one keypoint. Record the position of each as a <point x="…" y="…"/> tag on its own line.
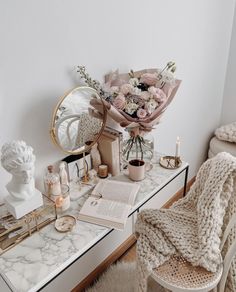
<point x="18" y="159"/>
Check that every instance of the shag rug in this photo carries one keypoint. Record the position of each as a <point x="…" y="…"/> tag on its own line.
<point x="120" y="277"/>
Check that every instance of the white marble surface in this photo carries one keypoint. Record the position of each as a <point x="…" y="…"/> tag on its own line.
<point x="37" y="259"/>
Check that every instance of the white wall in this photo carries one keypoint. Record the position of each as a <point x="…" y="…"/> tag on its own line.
<point x="229" y="102"/>
<point x="42" y="41"/>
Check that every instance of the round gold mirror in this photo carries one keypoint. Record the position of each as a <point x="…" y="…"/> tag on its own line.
<point x="76" y="124"/>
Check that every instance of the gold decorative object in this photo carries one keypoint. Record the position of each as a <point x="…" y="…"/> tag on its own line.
<point x="170" y="162"/>
<point x="13" y="231"/>
<point x="65" y="223"/>
<point x="85" y="178"/>
<point x="77" y="124"/>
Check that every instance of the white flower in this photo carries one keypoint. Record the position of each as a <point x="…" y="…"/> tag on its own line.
<point x="152" y="90"/>
<point x="131" y="107"/>
<point x="134" y="81"/>
<point x="126" y="88"/>
<point x="136" y="91"/>
<point x="114" y="89"/>
<point x="151" y="105"/>
<point x="145" y="95"/>
<point x="168" y="77"/>
<point x="106" y="88"/>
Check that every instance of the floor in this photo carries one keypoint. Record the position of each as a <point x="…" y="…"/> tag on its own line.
<point x="129" y="255"/>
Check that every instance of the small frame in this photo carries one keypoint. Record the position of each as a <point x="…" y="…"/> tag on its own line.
<point x="13" y="231"/>
<point x="76" y="164"/>
<point x="170" y="162"/>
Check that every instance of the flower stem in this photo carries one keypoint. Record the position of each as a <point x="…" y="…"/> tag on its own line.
<point x="128" y="152"/>
<point x="140" y="145"/>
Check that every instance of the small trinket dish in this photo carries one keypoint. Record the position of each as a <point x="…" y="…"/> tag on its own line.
<point x="65" y="223"/>
<point x="170" y="162"/>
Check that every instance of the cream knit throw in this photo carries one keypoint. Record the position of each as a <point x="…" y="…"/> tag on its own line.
<point x="193" y="226"/>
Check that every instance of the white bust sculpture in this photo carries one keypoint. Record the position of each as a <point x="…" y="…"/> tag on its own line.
<point x="18" y="159"/>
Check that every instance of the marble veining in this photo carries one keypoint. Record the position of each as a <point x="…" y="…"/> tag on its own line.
<point x="37" y="259"/>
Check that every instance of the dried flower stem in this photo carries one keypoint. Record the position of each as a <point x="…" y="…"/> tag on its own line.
<point x="89" y="81"/>
<point x="169" y="65"/>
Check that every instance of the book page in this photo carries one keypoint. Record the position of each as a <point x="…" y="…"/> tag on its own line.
<point x="111" y="209"/>
<point x="117" y="191"/>
<point x="105" y="209"/>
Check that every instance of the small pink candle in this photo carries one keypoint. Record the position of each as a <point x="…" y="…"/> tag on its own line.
<point x="59" y="201"/>
<point x="103" y="170"/>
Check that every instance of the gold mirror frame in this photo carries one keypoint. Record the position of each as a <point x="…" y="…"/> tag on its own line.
<point x="53" y="129"/>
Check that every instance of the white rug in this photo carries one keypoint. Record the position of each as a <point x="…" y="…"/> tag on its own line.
<point x="121" y="278"/>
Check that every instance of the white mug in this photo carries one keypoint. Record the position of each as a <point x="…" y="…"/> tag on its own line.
<point x="136" y="169"/>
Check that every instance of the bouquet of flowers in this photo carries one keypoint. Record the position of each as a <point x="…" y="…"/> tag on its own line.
<point x="135" y="100"/>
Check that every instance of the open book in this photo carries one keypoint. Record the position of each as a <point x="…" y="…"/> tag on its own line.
<point x="109" y="204"/>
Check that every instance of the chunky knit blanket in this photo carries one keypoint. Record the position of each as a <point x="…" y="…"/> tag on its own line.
<point x="193" y="226"/>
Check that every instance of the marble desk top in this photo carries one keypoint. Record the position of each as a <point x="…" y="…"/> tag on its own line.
<point x="39" y="258"/>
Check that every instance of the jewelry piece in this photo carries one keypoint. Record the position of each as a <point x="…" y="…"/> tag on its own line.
<point x="170" y="162"/>
<point x="65" y="223"/>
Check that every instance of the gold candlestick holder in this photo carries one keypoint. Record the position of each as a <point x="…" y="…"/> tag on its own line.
<point x="85" y="178"/>
<point x="178" y="161"/>
<point x="170" y="162"/>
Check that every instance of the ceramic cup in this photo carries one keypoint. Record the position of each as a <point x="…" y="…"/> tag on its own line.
<point x="136" y="169"/>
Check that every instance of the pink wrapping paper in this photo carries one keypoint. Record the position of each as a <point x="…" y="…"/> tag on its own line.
<point x="125" y="120"/>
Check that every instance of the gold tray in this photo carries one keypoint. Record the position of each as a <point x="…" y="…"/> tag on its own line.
<point x="170" y="162"/>
<point x="13" y="231"/>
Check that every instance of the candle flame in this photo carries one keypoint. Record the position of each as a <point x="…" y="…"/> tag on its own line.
<point x="59" y="202"/>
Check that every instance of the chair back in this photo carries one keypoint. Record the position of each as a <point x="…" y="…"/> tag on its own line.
<point x="231" y="252"/>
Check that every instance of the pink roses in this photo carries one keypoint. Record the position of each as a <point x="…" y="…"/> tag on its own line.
<point x="141" y="113"/>
<point x="157" y="93"/>
<point x="119" y="101"/>
<point x="149" y="79"/>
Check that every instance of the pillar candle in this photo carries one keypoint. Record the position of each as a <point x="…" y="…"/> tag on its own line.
<point x="103" y="170"/>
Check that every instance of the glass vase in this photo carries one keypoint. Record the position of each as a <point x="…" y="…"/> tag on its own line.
<point x="138" y="146"/>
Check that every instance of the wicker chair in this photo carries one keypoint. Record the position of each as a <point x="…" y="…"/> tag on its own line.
<point x="179" y="275"/>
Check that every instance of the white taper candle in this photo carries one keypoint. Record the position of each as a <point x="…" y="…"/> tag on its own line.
<point x="177" y="148"/>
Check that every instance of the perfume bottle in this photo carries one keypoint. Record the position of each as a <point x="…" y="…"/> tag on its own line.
<point x="52" y="183"/>
<point x="63" y="174"/>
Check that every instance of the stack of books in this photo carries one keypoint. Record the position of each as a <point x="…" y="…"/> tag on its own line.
<point x="110" y="148"/>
